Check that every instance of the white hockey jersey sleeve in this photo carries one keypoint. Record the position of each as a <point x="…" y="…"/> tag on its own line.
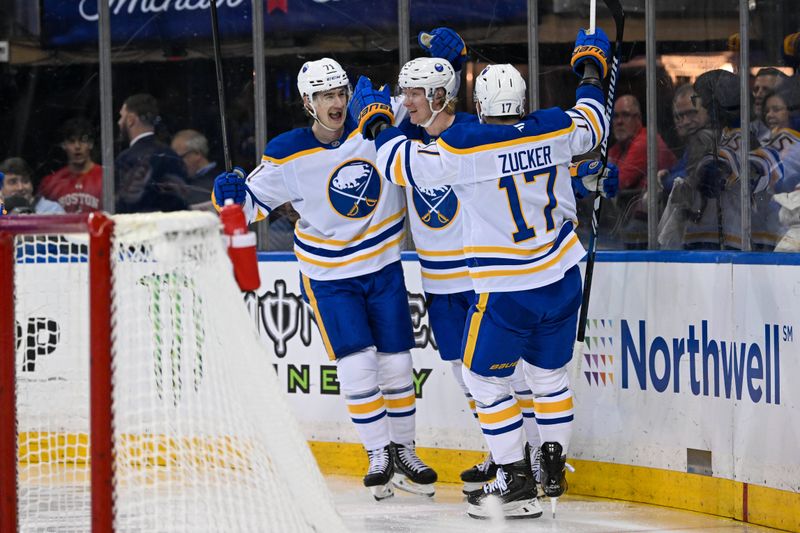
<point x="266" y="190"/>
<point x="591" y="122"/>
<point x="404" y="162"/>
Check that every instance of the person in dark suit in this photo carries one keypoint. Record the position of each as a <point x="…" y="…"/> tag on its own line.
<point x="192" y="147"/>
<point x="149" y="174"/>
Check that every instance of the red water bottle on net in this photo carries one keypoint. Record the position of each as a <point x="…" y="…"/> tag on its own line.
<point x="241" y="246"/>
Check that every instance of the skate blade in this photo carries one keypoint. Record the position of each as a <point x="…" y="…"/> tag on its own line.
<point x="403" y="483"/>
<point x="553" y="503"/>
<point x="382" y="492"/>
<point x="510" y="511"/>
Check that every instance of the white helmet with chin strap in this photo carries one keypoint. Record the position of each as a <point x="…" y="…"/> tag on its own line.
<point x="500" y="90"/>
<point x="430" y="73"/>
<point x="319" y="76"/>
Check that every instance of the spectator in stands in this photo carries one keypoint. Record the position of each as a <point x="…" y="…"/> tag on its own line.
<point x="713" y="192"/>
<point x="704" y="208"/>
<point x="16" y="190"/>
<point x="149" y="175"/>
<point x="192" y="147"/>
<point x="689" y="119"/>
<point x="767" y="80"/>
<point x="78" y="186"/>
<point x="629" y="153"/>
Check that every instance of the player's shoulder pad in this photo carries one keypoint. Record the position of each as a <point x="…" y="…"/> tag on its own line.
<point x="546" y="121"/>
<point x="289" y="143"/>
<point x="466" y="118"/>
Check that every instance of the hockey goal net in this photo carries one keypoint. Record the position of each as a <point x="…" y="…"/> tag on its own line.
<point x="144" y="400"/>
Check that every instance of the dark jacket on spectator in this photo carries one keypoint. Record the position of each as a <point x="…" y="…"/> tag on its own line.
<point x="149" y="177"/>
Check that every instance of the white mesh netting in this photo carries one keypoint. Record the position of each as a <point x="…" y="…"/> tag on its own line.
<point x="203" y="439"/>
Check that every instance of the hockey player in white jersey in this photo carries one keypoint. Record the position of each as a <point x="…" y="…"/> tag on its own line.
<point x="513" y="181"/>
<point x="429" y="88"/>
<point x="347" y="243"/>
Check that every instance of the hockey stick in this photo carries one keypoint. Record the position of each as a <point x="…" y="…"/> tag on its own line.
<point x="619" y="21"/>
<point x="226" y="150"/>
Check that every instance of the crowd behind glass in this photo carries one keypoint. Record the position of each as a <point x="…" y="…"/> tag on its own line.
<point x="698" y="196"/>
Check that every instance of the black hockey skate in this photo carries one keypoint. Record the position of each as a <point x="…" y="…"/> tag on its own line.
<point x="411" y="474"/>
<point x="379" y="475"/>
<point x="476" y="477"/>
<point x="553" y="472"/>
<point x="512" y="494"/>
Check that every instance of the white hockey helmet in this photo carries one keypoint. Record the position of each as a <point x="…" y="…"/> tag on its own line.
<point x="500" y="90"/>
<point x="319" y="76"/>
<point x="430" y="73"/>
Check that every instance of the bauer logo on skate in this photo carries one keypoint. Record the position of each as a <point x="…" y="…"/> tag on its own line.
<point x="354" y="189"/>
<point x="699" y="363"/>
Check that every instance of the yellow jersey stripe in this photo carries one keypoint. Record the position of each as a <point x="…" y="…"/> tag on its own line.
<point x="396" y="403"/>
<point x="440" y="253"/>
<point x="365" y="408"/>
<point x="329" y="264"/>
<point x="313" y="301"/>
<point x="553" y="407"/>
<point x="398" y="170"/>
<point x="526" y="404"/>
<point x="505" y="144"/>
<point x="507" y="250"/>
<point x="493" y="273"/>
<point x="454" y="275"/>
<point x="500" y="416"/>
<point x="280" y="161"/>
<point x="474" y="326"/>
<point x="335" y="242"/>
<point x="590" y="115"/>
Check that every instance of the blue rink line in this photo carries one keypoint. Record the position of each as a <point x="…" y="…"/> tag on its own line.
<point x="634" y="256"/>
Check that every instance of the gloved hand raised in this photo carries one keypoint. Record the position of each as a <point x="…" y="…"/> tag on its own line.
<point x="594" y="48"/>
<point x="372" y="108"/>
<point x="230" y="185"/>
<point x="444" y="43"/>
<point x="585" y="176"/>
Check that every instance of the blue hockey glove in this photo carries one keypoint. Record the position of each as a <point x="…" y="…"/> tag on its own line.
<point x="594" y="48"/>
<point x="230" y="185"/>
<point x="372" y="108"/>
<point x="585" y="176"/>
<point x="444" y="43"/>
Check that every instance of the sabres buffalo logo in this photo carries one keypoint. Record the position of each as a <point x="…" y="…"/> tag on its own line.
<point x="436" y="207"/>
<point x="354" y="189"/>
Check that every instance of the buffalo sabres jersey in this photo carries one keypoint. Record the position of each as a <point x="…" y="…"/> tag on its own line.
<point x="351" y="222"/>
<point x="435" y="222"/>
<point x="514" y="187"/>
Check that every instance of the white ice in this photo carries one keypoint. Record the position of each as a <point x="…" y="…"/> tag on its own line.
<point x="446" y="512"/>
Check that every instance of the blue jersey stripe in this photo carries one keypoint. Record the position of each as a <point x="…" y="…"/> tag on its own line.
<point x="404" y="413"/>
<point x="553" y="421"/>
<point x="344" y="252"/>
<point x="442" y="265"/>
<point x="368" y="420"/>
<point x="504" y="429"/>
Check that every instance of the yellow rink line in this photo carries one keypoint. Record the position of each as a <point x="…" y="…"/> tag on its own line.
<point x="692" y="492"/>
<point x="754" y="504"/>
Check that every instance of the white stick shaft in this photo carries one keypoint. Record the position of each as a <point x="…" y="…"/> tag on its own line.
<point x="592" y="16"/>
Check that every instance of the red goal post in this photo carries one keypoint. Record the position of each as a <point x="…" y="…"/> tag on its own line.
<point x="149" y="403"/>
<point x="99" y="227"/>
